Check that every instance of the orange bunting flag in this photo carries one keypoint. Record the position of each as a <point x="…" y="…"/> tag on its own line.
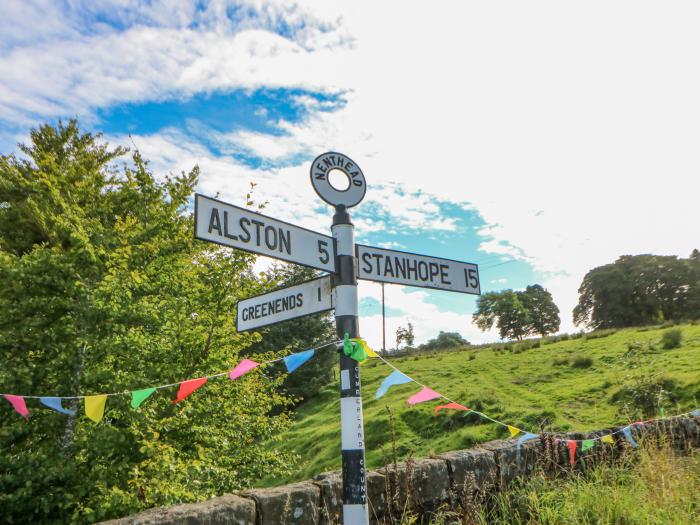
<point x="187" y="387"/>
<point x="451" y="406"/>
<point x="572" y="451"/>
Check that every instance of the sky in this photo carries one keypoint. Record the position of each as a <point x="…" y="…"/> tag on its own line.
<point x="536" y="139"/>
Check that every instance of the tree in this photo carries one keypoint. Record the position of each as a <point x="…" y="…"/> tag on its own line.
<point x="445" y="340"/>
<point x="638" y="290"/>
<point x="405" y="335"/>
<point x="518" y="314"/>
<point x="104" y="289"/>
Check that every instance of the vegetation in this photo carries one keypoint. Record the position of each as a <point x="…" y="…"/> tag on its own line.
<point x="525" y="388"/>
<point x="518" y="314"/>
<point x="104" y="289"/>
<point x="443" y="341"/>
<point x="637" y="290"/>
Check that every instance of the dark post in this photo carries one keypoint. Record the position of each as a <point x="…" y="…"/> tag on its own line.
<point x="346" y="321"/>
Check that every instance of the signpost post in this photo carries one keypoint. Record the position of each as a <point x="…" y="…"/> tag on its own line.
<point x="352" y="435"/>
<point x="229" y="225"/>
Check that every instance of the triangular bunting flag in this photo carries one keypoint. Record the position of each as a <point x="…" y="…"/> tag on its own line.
<point x="628" y="435"/>
<point x="187" y="387"/>
<point x="365" y="347"/>
<point x="451" y="406"/>
<point x="139" y="396"/>
<point x="18" y="404"/>
<point x="95" y="407"/>
<point x="662" y="413"/>
<point x="395" y="378"/>
<point x="572" y="451"/>
<point x="608" y="439"/>
<point x="242" y="368"/>
<point x="353" y="350"/>
<point x="424" y="395"/>
<point x="513" y="431"/>
<point x="294" y="361"/>
<point x="521" y="440"/>
<point x="587" y="444"/>
<point x="695" y="413"/>
<point x="55" y="403"/>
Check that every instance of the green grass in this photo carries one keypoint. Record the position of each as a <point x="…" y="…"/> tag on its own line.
<point x="519" y="386"/>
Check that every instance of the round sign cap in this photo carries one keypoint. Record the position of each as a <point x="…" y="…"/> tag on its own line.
<point x="320" y="169"/>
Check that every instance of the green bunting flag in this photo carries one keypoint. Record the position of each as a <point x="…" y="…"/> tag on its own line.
<point x="586" y="444"/>
<point x="353" y="350"/>
<point x="139" y="396"/>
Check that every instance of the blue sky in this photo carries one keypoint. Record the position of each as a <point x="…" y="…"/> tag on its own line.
<point x="538" y="141"/>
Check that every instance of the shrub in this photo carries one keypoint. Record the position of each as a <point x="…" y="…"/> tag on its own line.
<point x="561" y="361"/>
<point x="582" y="362"/>
<point x="601" y="333"/>
<point x="645" y="393"/>
<point x="671" y="338"/>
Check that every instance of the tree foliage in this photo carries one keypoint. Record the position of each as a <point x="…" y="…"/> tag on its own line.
<point x="518" y="314"/>
<point x="445" y="340"/>
<point x="105" y="290"/>
<point x="638" y="290"/>
<point x="405" y="335"/>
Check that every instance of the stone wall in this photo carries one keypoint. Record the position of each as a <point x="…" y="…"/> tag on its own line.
<point x="422" y="485"/>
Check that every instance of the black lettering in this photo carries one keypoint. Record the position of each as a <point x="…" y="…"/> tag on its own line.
<point x="285" y="304"/>
<point x="434" y="270"/>
<point x="251" y="312"/>
<point x="300" y="300"/>
<point x="327" y="161"/>
<point x="320" y="167"/>
<point x="258" y="226"/>
<point x="257" y="311"/>
<point x="286" y="241"/>
<point x="357" y="182"/>
<point x="443" y="273"/>
<point x="411" y="269"/>
<point x="388" y="269"/>
<point x="244" y="314"/>
<point x="378" y="257"/>
<point x="423" y="266"/>
<point x="214" y="221"/>
<point x="320" y="176"/>
<point x="244" y="223"/>
<point x="279" y="306"/>
<point x="226" y="233"/>
<point x="367" y="261"/>
<point x="271" y="244"/>
<point x="400" y="265"/>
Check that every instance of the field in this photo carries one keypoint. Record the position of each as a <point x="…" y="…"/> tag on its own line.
<point x="583" y="383"/>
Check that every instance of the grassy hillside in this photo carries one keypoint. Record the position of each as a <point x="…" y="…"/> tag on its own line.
<point x="520" y="386"/>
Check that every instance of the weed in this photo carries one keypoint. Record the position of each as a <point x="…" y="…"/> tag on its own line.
<point x="582" y="362"/>
<point x="671" y="338"/>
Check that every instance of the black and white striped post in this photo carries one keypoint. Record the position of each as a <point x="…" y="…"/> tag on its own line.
<point x="352" y="435"/>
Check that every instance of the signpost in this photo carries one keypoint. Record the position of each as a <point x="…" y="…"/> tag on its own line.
<point x="283" y="304"/>
<point x="229" y="225"/>
<point x="391" y="266"/>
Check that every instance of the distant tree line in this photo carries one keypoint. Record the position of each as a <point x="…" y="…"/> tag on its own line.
<point x="639" y="290"/>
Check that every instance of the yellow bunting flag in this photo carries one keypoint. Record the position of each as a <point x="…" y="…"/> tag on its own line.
<point x="513" y="431"/>
<point x="363" y="344"/>
<point x="95" y="407"/>
<point x="608" y="439"/>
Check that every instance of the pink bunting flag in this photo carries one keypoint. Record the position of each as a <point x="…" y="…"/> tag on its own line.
<point x="572" y="451"/>
<point x="424" y="395"/>
<point x="187" y="387"/>
<point x="451" y="406"/>
<point x="242" y="368"/>
<point x="19" y="405"/>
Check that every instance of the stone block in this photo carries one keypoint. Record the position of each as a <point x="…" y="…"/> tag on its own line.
<point x="511" y="462"/>
<point x="471" y="467"/>
<point x="295" y="504"/>
<point x="224" y="510"/>
<point x="421" y="485"/>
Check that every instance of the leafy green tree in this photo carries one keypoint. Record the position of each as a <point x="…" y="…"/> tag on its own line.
<point x="638" y="290"/>
<point x="405" y="335"/>
<point x="445" y="340"/>
<point x="104" y="289"/>
<point x="518" y="314"/>
<point x="542" y="312"/>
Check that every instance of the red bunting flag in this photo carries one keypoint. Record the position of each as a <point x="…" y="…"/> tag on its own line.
<point x="451" y="406"/>
<point x="187" y="387"/>
<point x="572" y="451"/>
<point x="18" y="404"/>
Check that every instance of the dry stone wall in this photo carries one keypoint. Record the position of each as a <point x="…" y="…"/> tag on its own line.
<point x="424" y="485"/>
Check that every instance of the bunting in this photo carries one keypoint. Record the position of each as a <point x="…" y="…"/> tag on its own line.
<point x="95" y="407"/>
<point x="519" y="444"/>
<point x="395" y="378"/>
<point x="139" y="396"/>
<point x="451" y="406"/>
<point x="628" y="435"/>
<point x="187" y="387"/>
<point x="513" y="431"/>
<point x="572" y="451"/>
<point x="353" y="350"/>
<point x="242" y="368"/>
<point x="608" y="439"/>
<point x="55" y="404"/>
<point x="695" y="413"/>
<point x="294" y="361"/>
<point x="18" y="404"/>
<point x="426" y="394"/>
<point x="365" y="347"/>
<point x="587" y="444"/>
